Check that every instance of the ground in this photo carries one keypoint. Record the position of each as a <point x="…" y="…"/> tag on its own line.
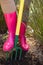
<point x="34" y="56"/>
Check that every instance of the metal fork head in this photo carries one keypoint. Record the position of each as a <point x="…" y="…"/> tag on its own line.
<point x="18" y="49"/>
<point x="18" y="54"/>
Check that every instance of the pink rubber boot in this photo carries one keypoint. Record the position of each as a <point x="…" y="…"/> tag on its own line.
<point x="11" y="19"/>
<point x="22" y="38"/>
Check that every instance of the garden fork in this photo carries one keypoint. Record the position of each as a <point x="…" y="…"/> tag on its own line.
<point x="18" y="28"/>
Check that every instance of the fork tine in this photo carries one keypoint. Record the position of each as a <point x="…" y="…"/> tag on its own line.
<point x="7" y="55"/>
<point x="20" y="54"/>
<point x="16" y="55"/>
<point x="11" y="55"/>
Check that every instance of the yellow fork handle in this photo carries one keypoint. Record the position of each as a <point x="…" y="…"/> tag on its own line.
<point x="20" y="17"/>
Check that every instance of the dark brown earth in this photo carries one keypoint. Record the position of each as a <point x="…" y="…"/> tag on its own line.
<point x="33" y="57"/>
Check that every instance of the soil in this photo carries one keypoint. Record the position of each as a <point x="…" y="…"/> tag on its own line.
<point x="34" y="56"/>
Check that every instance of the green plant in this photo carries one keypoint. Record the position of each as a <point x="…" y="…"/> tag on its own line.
<point x="2" y="23"/>
<point x="36" y="18"/>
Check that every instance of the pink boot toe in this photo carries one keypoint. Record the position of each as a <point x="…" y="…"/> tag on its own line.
<point x="8" y="45"/>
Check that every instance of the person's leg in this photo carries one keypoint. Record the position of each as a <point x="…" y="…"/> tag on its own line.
<point x="9" y="9"/>
<point x="8" y="6"/>
<point x="22" y="37"/>
<point x="9" y="12"/>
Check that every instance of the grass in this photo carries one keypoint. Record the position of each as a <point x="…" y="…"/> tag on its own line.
<point x="36" y="18"/>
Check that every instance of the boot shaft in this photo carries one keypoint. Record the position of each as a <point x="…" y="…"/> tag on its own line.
<point x="11" y="20"/>
<point x="22" y="29"/>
